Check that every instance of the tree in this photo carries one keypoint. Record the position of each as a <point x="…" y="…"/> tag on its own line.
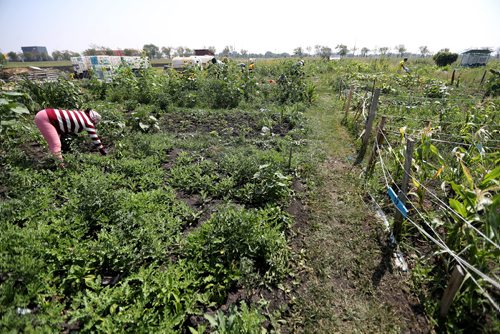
<point x="401" y="49"/>
<point x="188" y="51"/>
<point x="383" y="50"/>
<point x="212" y="49"/>
<point x="226" y="51"/>
<point x="244" y="53"/>
<point x="317" y="49"/>
<point x="364" y="51"/>
<point x="151" y="50"/>
<point x="180" y="51"/>
<point x="325" y="52"/>
<point x="3" y="59"/>
<point x="424" y="50"/>
<point x="443" y="58"/>
<point x="298" y="52"/>
<point x="12" y="56"/>
<point x="342" y="50"/>
<point x="354" y="49"/>
<point x="131" y="52"/>
<point x="308" y="48"/>
<point x="90" y="52"/>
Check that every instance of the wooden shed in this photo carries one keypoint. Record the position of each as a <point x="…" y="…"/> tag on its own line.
<point x="475" y="57"/>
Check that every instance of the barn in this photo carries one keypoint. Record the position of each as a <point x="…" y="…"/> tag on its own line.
<point x="475" y="57"/>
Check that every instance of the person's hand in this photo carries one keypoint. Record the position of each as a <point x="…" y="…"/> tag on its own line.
<point x="103" y="151"/>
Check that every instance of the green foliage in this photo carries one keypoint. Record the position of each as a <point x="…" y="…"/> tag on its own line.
<point x="221" y="93"/>
<point x="245" y="245"/>
<point x="63" y="94"/>
<point x="291" y="85"/>
<point x="11" y="109"/>
<point x="493" y="84"/>
<point x="238" y="321"/>
<point x="143" y="119"/>
<point x="443" y="58"/>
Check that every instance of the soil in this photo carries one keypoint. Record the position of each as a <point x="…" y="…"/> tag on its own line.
<point x="219" y="123"/>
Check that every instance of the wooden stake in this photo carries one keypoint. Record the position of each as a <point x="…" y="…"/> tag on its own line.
<point x="368" y="126"/>
<point x="290" y="157"/>
<point x="452" y="77"/>
<point x="379" y="140"/>
<point x="348" y="104"/>
<point x="398" y="222"/>
<point x="482" y="79"/>
<point x="456" y="280"/>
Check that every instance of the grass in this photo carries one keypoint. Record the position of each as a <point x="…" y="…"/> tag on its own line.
<point x="351" y="287"/>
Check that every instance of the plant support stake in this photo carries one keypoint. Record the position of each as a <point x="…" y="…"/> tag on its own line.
<point x="457" y="277"/>
<point x="398" y="222"/>
<point x="368" y="126"/>
<point x="348" y="104"/>
<point x="379" y="139"/>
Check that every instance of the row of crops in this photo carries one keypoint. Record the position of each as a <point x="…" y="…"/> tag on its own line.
<point x="188" y="209"/>
<point x="453" y="196"/>
<point x="185" y="226"/>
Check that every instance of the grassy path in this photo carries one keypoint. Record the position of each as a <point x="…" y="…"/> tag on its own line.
<point x="351" y="286"/>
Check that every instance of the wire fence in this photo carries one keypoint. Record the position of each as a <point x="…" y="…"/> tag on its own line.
<point x="480" y="136"/>
<point x="446" y="209"/>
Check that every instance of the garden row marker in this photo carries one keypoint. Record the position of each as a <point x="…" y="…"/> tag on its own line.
<point x="368" y="126"/>
<point x="404" y="186"/>
<point x="456" y="280"/>
<point x="348" y="104"/>
<point x="379" y="139"/>
<point x="397" y="202"/>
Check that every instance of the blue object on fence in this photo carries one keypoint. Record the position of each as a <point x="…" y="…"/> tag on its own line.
<point x="399" y="205"/>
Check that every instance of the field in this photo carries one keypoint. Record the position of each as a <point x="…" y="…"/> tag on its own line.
<point x="229" y="202"/>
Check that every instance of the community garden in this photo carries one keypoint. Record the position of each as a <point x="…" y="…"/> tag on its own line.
<point x="197" y="219"/>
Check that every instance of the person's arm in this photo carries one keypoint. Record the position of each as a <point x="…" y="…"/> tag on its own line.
<point x="95" y="139"/>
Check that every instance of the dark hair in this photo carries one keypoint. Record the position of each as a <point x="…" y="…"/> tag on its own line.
<point x="405" y="59"/>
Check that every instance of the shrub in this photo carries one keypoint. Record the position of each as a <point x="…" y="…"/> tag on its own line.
<point x="443" y="58"/>
<point x="221" y="93"/>
<point x="62" y="94"/>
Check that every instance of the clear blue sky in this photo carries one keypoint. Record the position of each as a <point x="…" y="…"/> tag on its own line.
<point x="256" y="26"/>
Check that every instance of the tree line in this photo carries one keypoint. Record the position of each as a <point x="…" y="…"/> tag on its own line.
<point x="155" y="52"/>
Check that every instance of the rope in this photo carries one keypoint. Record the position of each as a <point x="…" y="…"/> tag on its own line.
<point x="440" y="243"/>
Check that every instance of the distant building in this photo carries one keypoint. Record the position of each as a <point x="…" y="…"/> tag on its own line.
<point x="203" y="52"/>
<point x="475" y="57"/>
<point x="35" y="53"/>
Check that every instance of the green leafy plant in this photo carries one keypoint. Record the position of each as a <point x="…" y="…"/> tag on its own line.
<point x="10" y="111"/>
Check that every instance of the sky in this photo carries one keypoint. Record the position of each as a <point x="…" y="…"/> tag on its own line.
<point x="256" y="26"/>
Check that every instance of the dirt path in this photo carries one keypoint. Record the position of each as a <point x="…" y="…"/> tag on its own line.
<point x="352" y="286"/>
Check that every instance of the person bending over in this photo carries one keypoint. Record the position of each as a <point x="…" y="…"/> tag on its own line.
<point x="53" y="123"/>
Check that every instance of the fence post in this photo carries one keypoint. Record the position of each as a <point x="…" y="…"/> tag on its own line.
<point x="452" y="77"/>
<point x="368" y="126"/>
<point x="456" y="279"/>
<point x="348" y="104"/>
<point x="398" y="222"/>
<point x="482" y="79"/>
<point x="379" y="140"/>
